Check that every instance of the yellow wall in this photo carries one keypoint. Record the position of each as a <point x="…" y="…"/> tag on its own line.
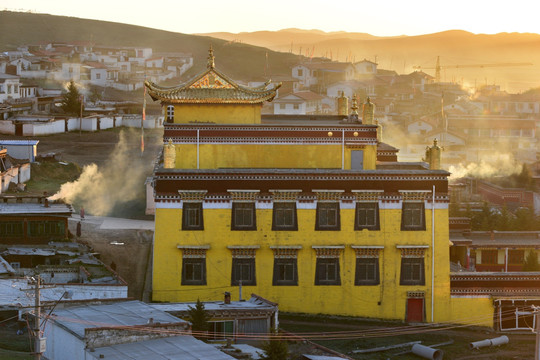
<point x="213" y="156"/>
<point x="470" y="310"/>
<point x="346" y="299"/>
<point x="219" y="114"/>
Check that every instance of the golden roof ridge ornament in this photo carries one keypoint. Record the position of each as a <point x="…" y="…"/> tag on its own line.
<point x="211" y="58"/>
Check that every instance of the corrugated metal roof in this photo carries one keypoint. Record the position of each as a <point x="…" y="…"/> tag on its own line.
<point x="170" y="348"/>
<point x="253" y="303"/>
<point x="5" y="268"/>
<point x="19" y="142"/>
<point x="27" y="208"/>
<point x="126" y="313"/>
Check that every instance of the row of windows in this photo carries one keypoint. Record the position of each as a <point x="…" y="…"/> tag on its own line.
<point x="285" y="273"/>
<point x="327" y="216"/>
<point x="35" y="228"/>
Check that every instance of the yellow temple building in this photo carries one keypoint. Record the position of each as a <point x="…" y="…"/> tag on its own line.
<point x="316" y="216"/>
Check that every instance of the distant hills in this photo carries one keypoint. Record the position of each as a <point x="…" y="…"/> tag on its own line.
<point x="240" y="61"/>
<point x="455" y="47"/>
<point x="244" y="55"/>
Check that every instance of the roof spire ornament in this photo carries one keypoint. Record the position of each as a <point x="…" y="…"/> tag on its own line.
<point x="210" y="64"/>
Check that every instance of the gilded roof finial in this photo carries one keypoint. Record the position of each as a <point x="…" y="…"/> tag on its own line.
<point x="354" y="106"/>
<point x="210" y="64"/>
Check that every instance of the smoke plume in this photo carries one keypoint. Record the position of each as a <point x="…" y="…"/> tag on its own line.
<point x="497" y="164"/>
<point x="118" y="181"/>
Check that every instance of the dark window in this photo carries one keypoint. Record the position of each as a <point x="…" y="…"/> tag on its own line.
<point x="11" y="228"/>
<point x="284" y="216"/>
<point x="285" y="272"/>
<point x="327" y="272"/>
<point x="194" y="271"/>
<point x="367" y="271"/>
<point x="192" y="216"/>
<point x="367" y="216"/>
<point x="243" y="269"/>
<point x="45" y="228"/>
<point x="222" y="329"/>
<point x="412" y="216"/>
<point x="412" y="271"/>
<point x="243" y="216"/>
<point x="516" y="256"/>
<point x="327" y="216"/>
<point x="490" y="256"/>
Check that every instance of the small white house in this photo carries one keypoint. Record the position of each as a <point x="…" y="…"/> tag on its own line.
<point x="365" y="67"/>
<point x="419" y="127"/>
<point x="21" y="149"/>
<point x="299" y="103"/>
<point x="9" y="87"/>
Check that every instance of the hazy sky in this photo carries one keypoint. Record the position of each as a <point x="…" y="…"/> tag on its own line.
<point x="379" y="17"/>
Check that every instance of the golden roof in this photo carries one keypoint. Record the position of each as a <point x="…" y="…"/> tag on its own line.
<point x="212" y="87"/>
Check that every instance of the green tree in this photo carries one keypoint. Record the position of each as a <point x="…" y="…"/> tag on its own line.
<point x="275" y="349"/>
<point x="198" y="316"/>
<point x="531" y="262"/>
<point x="71" y="101"/>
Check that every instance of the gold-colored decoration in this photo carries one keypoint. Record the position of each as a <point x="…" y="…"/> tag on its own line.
<point x="330" y="133"/>
<point x="243" y="195"/>
<point x="367" y="195"/>
<point x="285" y="195"/>
<point x="368" y="112"/>
<point x="210" y="64"/>
<point x="327" y="252"/>
<point x="328" y="195"/>
<point x="192" y="195"/>
<point x="414" y="195"/>
<point x="354" y="106"/>
<point x="243" y="253"/>
<point x="343" y="104"/>
<point x="194" y="253"/>
<point x="367" y="252"/>
<point x="355" y="133"/>
<point x="412" y="252"/>
<point x="169" y="155"/>
<point x="284" y="253"/>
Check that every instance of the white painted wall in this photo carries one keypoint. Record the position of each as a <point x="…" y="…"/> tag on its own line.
<point x="7" y="127"/>
<point x="289" y="109"/>
<point x="26" y="152"/>
<point x="89" y="124"/>
<point x="106" y="123"/>
<point x="24" y="173"/>
<point x="48" y="128"/>
<point x="62" y="345"/>
<point x="419" y="127"/>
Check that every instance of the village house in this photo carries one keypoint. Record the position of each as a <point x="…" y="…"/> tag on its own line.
<point x="299" y="103"/>
<point x="129" y="329"/>
<point x="319" y="75"/>
<point x="228" y="319"/>
<point x="365" y="67"/>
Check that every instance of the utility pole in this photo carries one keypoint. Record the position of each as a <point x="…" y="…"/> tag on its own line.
<point x="37" y="310"/>
<point x="39" y="342"/>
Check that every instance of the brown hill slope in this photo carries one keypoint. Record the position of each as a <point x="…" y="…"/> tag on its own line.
<point x="241" y="61"/>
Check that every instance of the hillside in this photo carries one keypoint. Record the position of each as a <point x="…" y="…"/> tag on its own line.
<point x="240" y="61"/>
<point x="401" y="53"/>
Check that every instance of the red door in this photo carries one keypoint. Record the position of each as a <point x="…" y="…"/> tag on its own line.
<point x="415" y="310"/>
